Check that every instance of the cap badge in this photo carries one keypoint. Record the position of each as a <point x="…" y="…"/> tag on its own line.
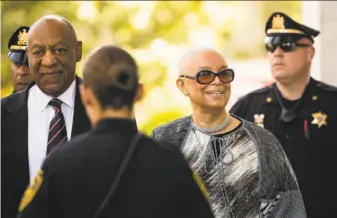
<point x="22" y="37"/>
<point x="278" y="22"/>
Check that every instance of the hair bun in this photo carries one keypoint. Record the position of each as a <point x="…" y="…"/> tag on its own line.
<point x="123" y="76"/>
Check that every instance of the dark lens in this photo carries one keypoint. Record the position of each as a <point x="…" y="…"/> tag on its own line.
<point x="226" y="76"/>
<point x="205" y="77"/>
<point x="288" y="46"/>
<point x="270" y="47"/>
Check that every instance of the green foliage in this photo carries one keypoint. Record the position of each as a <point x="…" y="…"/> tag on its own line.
<point x="137" y="26"/>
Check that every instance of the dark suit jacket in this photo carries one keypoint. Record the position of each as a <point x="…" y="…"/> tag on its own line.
<point x="14" y="146"/>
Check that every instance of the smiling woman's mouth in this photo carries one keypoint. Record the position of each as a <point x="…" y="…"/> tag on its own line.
<point x="214" y="93"/>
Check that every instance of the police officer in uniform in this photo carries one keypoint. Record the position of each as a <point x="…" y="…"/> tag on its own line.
<point x="19" y="61"/>
<point x="113" y="170"/>
<point x="300" y="111"/>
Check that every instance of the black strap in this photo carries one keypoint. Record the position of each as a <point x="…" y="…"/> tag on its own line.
<point x="128" y="155"/>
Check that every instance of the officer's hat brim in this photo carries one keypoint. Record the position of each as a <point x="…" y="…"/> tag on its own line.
<point x="18" y="57"/>
<point x="280" y="24"/>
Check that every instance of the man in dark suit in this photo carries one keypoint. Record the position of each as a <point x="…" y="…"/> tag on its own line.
<point x="79" y="179"/>
<point x="46" y="114"/>
<point x="19" y="62"/>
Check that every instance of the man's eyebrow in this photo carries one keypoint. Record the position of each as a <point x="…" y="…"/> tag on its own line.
<point x="60" y="43"/>
<point x="36" y="45"/>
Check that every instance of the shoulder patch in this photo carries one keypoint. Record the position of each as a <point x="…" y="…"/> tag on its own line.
<point x="326" y="87"/>
<point x="200" y="183"/>
<point x="31" y="191"/>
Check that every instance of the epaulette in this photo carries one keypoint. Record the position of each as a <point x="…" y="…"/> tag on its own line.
<point x="326" y="87"/>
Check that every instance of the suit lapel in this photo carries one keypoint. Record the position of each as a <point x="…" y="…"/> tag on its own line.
<point x="81" y="121"/>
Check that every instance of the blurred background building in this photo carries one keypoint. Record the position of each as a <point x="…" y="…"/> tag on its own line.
<point x="158" y="32"/>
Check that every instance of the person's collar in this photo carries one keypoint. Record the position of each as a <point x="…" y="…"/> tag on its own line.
<point x="116" y="125"/>
<point x="67" y="97"/>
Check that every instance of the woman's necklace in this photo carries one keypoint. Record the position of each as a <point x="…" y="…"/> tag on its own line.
<point x="216" y="129"/>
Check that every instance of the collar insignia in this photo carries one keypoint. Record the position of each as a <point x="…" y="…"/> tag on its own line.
<point x="258" y="119"/>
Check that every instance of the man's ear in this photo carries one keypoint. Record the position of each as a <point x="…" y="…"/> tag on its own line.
<point x="181" y="86"/>
<point x="311" y="53"/>
<point x="140" y="92"/>
<point x="78" y="51"/>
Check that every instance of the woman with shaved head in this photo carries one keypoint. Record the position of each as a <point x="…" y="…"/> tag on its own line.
<point x="242" y="165"/>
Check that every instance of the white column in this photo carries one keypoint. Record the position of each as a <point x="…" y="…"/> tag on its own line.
<point x="322" y="15"/>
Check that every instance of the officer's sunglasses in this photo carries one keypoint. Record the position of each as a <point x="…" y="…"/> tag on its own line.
<point x="206" y="76"/>
<point x="286" y="46"/>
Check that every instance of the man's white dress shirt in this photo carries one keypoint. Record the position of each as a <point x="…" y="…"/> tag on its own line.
<point x="39" y="116"/>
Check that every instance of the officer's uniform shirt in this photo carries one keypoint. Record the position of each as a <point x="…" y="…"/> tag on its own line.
<point x="75" y="179"/>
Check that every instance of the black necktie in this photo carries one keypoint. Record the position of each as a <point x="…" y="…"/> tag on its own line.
<point x="57" y="128"/>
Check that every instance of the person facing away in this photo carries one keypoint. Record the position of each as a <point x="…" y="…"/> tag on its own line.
<point x="74" y="181"/>
<point x="242" y="165"/>
<point x="299" y="110"/>
<point x="47" y="113"/>
<point x="17" y="44"/>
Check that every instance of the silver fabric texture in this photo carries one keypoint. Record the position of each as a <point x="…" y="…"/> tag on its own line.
<point x="246" y="175"/>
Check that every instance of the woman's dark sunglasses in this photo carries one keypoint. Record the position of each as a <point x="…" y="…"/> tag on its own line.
<point x="207" y="76"/>
<point x="286" y="46"/>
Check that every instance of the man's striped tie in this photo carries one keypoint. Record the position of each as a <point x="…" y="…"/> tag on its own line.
<point x="57" y="128"/>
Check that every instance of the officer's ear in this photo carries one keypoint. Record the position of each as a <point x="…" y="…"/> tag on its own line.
<point x="87" y="96"/>
<point x="311" y="53"/>
<point x="181" y="85"/>
<point x="140" y="92"/>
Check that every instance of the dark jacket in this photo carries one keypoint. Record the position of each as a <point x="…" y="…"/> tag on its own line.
<point x="309" y="143"/>
<point x="14" y="146"/>
<point x="77" y="177"/>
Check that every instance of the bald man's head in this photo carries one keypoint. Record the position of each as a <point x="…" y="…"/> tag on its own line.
<point x="112" y="75"/>
<point x="53" y="51"/>
<point x="54" y="20"/>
